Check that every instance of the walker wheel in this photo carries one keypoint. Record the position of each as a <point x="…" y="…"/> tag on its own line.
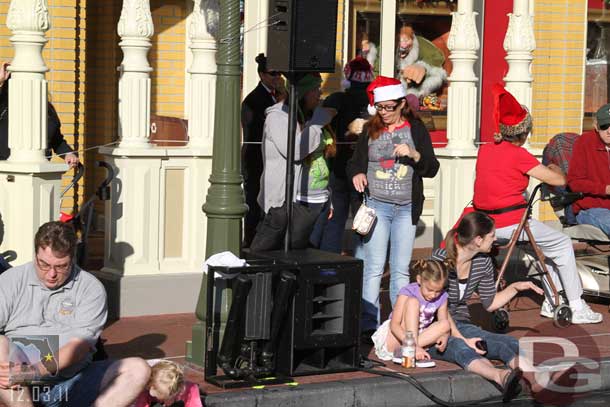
<point x="562" y="316"/>
<point x="501" y="320"/>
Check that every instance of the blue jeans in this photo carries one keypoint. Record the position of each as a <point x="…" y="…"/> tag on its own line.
<point x="598" y="217"/>
<point x="499" y="347"/>
<point x="394" y="227"/>
<point x="80" y="390"/>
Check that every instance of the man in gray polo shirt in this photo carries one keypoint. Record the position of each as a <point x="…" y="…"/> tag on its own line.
<point x="53" y="299"/>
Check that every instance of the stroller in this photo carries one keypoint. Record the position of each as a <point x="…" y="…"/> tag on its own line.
<point x="593" y="268"/>
<point x="82" y="225"/>
<point x="83" y="218"/>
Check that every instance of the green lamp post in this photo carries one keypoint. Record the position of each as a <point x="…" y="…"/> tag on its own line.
<point x="225" y="202"/>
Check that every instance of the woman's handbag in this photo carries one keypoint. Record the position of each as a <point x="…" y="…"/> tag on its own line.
<point x="364" y="219"/>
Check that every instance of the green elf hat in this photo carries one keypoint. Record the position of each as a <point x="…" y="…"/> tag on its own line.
<point x="308" y="82"/>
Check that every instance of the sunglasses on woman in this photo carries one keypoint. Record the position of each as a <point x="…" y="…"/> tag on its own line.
<point x="604" y="127"/>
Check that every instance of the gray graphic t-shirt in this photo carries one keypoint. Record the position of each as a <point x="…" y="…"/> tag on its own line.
<point x="388" y="180"/>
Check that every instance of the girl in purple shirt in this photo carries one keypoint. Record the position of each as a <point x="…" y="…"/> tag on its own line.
<point x="421" y="308"/>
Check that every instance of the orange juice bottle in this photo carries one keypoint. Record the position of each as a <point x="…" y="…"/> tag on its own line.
<point x="408" y="351"/>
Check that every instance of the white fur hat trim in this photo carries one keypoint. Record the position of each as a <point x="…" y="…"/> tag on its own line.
<point x="390" y="92"/>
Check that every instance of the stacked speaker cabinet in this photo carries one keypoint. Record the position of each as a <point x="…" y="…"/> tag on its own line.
<point x="302" y="35"/>
<point x="321" y="331"/>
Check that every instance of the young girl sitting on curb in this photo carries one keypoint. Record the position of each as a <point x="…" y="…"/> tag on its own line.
<point x="417" y="306"/>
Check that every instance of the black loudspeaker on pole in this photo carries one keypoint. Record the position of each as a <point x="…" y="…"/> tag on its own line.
<point x="302" y="35"/>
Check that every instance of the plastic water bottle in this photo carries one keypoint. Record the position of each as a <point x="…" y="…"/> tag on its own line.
<point x="408" y="351"/>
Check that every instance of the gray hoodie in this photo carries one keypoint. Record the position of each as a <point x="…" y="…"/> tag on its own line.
<point x="275" y="145"/>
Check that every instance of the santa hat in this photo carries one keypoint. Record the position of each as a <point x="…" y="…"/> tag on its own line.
<point x="358" y="70"/>
<point x="383" y="89"/>
<point x="510" y="117"/>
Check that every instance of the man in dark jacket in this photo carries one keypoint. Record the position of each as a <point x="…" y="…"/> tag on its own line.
<point x="55" y="140"/>
<point x="269" y="91"/>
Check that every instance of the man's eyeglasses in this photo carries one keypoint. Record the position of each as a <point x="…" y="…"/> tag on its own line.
<point x="273" y="73"/>
<point x="604" y="127"/>
<point x="387" y="108"/>
<point x="60" y="268"/>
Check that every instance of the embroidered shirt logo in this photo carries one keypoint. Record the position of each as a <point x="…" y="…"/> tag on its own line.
<point x="66" y="307"/>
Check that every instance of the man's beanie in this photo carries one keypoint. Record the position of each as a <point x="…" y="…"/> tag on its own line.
<point x="603" y="115"/>
<point x="510" y="117"/>
<point x="359" y="70"/>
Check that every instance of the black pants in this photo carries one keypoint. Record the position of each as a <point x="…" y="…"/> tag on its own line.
<point x="255" y="213"/>
<point x="271" y="231"/>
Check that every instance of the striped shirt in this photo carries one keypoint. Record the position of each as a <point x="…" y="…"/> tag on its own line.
<point x="480" y="279"/>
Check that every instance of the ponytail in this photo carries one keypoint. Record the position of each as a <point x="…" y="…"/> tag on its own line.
<point x="472" y="225"/>
<point x="451" y="245"/>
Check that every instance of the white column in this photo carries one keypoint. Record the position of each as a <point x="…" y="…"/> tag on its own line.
<point x="203" y="81"/>
<point x="29" y="20"/>
<point x="256" y="20"/>
<point x="455" y="180"/>
<point x="462" y="98"/>
<point x="135" y="29"/>
<point x="519" y="44"/>
<point x="454" y="188"/>
<point x="154" y="224"/>
<point x="132" y="216"/>
<point x="388" y="37"/>
<point x="29" y="184"/>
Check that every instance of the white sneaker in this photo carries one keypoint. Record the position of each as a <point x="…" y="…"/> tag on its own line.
<point x="547" y="309"/>
<point x="586" y="316"/>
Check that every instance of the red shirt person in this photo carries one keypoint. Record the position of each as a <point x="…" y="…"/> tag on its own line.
<point x="589" y="172"/>
<point x="503" y="171"/>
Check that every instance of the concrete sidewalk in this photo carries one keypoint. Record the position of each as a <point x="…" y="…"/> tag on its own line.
<point x="164" y="336"/>
<point x="454" y="387"/>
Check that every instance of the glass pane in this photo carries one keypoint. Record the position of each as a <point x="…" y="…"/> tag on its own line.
<point x="365" y="38"/>
<point x="422" y="29"/>
<point x="596" y="68"/>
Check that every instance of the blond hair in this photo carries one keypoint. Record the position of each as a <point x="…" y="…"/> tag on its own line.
<point x="168" y="374"/>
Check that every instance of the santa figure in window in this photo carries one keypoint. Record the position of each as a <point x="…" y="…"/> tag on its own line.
<point x="419" y="64"/>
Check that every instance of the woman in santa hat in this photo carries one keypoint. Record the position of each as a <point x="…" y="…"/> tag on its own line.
<point x="503" y="171"/>
<point x="391" y="158"/>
